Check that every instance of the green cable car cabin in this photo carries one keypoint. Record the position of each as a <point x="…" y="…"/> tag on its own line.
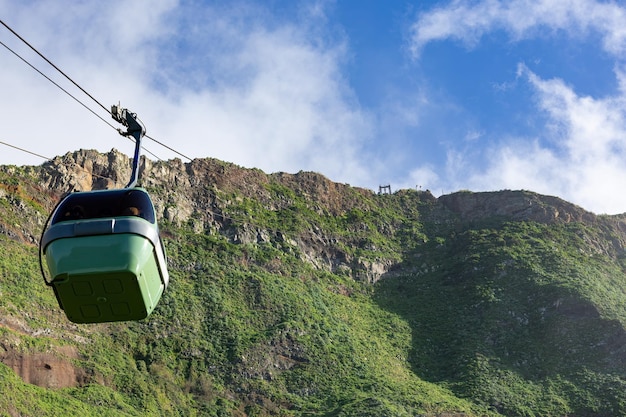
<point x="105" y="258"/>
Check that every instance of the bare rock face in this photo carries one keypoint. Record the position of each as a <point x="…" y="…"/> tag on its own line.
<point x="86" y="170"/>
<point x="51" y="367"/>
<point x="514" y="206"/>
<point x="48" y="370"/>
<point x="201" y="194"/>
<point x="334" y="197"/>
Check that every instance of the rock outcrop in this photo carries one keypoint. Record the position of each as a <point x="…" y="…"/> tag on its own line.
<point x="514" y="206"/>
<point x="205" y="194"/>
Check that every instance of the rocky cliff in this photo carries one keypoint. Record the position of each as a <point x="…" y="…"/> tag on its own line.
<point x="280" y="281"/>
<point x="207" y="194"/>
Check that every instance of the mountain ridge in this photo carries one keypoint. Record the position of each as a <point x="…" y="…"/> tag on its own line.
<point x="295" y="295"/>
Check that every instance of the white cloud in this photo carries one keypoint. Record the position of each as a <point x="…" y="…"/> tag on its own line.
<point x="239" y="84"/>
<point x="232" y="83"/>
<point x="581" y="153"/>
<point x="422" y="178"/>
<point x="469" y="21"/>
<point x="581" y="157"/>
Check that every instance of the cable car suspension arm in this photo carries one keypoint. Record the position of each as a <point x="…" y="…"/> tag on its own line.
<point x="134" y="129"/>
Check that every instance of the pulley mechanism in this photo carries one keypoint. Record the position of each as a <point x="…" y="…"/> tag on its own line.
<point x="134" y="129"/>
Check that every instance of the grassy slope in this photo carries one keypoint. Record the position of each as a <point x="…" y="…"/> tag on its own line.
<point x="228" y="339"/>
<point x="521" y="319"/>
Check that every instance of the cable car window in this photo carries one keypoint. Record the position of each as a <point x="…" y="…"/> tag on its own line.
<point x="116" y="203"/>
<point x="137" y="203"/>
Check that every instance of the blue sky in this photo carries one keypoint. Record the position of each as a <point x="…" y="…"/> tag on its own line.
<point x="441" y="95"/>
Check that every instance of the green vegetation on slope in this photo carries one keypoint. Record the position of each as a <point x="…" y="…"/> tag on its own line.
<point x="522" y="318"/>
<point x="231" y="338"/>
<point x="491" y="318"/>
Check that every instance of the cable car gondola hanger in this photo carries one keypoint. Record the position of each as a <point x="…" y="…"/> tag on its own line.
<point x="104" y="256"/>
